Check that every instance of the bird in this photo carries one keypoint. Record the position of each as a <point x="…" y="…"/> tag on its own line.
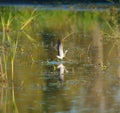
<point x="61" y="69"/>
<point x="61" y="53"/>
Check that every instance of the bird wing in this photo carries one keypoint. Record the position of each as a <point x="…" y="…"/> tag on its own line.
<point x="60" y="48"/>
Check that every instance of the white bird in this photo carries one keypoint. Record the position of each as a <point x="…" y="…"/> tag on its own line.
<point x="62" y="69"/>
<point x="61" y="54"/>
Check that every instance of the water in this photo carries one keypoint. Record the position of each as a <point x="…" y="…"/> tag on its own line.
<point x="86" y="81"/>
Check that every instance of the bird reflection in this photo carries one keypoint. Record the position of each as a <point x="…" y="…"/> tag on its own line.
<point x="61" y="70"/>
<point x="61" y="53"/>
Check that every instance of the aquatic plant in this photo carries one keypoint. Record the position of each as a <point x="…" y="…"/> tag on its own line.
<point x="3" y="52"/>
<point x="113" y="28"/>
<point x="6" y="38"/>
<point x="12" y="40"/>
<point x="15" y="108"/>
<point x="13" y="47"/>
<point x="1" y="68"/>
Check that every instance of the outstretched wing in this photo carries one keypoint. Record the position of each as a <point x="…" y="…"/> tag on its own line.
<point x="60" y="48"/>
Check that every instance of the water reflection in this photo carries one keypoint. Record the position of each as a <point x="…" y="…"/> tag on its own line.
<point x="88" y="88"/>
<point x="61" y="70"/>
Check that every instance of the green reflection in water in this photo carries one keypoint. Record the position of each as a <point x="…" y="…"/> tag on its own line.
<point x="91" y="83"/>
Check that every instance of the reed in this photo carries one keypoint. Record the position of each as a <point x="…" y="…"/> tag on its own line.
<point x="7" y="24"/>
<point x="1" y="68"/>
<point x="15" y="108"/>
<point x="4" y="56"/>
<point x="28" y="20"/>
<point x="14" y="45"/>
<point x="7" y="38"/>
<point x="113" y="28"/>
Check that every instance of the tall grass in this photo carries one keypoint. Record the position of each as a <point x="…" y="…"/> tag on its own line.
<point x="4" y="56"/>
<point x="1" y="68"/>
<point x="112" y="22"/>
<point x="15" y="108"/>
<point x="13" y="46"/>
<point x="9" y="46"/>
<point x="11" y="40"/>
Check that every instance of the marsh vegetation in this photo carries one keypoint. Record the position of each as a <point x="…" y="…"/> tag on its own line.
<point x="30" y="72"/>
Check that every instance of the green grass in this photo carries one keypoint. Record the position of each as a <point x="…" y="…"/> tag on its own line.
<point x="12" y="40"/>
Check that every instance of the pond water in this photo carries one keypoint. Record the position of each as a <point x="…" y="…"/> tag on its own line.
<point x="87" y="80"/>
